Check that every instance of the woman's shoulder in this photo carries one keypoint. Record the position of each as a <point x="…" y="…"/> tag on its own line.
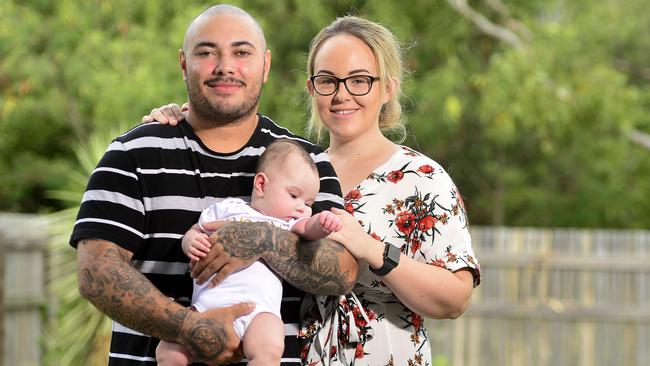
<point x="411" y="163"/>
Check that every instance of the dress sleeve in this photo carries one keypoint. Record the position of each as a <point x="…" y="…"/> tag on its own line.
<point x="112" y="207"/>
<point x="440" y="231"/>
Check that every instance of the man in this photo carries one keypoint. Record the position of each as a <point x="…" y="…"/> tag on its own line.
<point x="154" y="181"/>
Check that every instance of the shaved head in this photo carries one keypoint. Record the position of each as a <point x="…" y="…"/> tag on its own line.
<point x="222" y="9"/>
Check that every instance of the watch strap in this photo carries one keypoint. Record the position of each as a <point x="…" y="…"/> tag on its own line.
<point x="391" y="260"/>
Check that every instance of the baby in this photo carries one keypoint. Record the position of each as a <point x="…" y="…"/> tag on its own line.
<point x="284" y="188"/>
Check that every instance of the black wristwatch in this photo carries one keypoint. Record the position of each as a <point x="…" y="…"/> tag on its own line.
<point x="391" y="260"/>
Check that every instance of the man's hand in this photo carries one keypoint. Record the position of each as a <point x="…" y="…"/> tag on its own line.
<point x="229" y="253"/>
<point x="212" y="337"/>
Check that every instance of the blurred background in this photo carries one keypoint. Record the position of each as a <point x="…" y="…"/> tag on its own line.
<point x="539" y="110"/>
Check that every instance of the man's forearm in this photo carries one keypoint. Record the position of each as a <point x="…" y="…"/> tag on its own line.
<point x="117" y="289"/>
<point x="320" y="267"/>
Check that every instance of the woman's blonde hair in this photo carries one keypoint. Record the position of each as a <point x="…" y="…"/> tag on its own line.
<point x="388" y="55"/>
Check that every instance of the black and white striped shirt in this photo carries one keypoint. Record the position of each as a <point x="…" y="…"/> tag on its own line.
<point x="150" y="188"/>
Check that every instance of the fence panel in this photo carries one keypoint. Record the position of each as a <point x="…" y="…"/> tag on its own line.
<point x="23" y="239"/>
<point x="554" y="297"/>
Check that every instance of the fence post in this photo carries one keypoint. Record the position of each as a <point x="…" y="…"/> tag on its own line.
<point x="24" y="244"/>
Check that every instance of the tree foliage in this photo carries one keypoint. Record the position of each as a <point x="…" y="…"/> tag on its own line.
<point x="535" y="133"/>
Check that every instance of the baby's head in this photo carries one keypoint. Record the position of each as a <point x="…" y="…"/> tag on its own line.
<point x="286" y="183"/>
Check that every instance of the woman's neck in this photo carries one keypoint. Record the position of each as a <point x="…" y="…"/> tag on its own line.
<point x="370" y="144"/>
<point x="355" y="159"/>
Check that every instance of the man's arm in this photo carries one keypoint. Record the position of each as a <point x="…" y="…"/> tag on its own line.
<point x="319" y="267"/>
<point x="109" y="282"/>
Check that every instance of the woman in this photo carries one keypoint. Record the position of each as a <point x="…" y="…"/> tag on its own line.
<point x="403" y="215"/>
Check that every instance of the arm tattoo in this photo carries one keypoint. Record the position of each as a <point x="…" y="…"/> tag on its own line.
<point x="310" y="266"/>
<point x="117" y="289"/>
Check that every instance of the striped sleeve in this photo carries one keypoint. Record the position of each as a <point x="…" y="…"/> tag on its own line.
<point x="112" y="207"/>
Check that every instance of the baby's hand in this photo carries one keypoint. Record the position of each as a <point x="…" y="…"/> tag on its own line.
<point x="195" y="244"/>
<point x="329" y="221"/>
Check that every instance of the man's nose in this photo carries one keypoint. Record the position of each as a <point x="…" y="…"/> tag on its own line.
<point x="225" y="65"/>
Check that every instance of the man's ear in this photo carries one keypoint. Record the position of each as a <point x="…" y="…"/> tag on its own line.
<point x="259" y="184"/>
<point x="267" y="65"/>
<point x="183" y="61"/>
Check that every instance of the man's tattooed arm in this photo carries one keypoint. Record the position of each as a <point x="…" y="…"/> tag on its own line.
<point x="106" y="279"/>
<point x="320" y="267"/>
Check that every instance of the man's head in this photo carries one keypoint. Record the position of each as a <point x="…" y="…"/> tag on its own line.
<point x="225" y="63"/>
<point x="286" y="183"/>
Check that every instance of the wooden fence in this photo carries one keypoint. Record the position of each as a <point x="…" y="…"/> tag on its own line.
<point x="554" y="297"/>
<point x="22" y="312"/>
<point x="548" y="297"/>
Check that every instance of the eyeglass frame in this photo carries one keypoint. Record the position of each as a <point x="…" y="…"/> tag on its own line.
<point x="344" y="81"/>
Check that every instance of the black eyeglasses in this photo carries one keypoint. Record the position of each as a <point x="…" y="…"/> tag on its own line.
<point x="356" y="85"/>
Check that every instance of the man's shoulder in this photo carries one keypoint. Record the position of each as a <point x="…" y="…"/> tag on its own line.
<point x="151" y="130"/>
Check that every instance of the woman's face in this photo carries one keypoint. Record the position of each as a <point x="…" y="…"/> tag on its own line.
<point x="347" y="116"/>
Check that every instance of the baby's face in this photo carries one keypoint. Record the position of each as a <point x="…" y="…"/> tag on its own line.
<point x="291" y="189"/>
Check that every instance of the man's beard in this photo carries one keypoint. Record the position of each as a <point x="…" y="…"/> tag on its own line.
<point x="221" y="114"/>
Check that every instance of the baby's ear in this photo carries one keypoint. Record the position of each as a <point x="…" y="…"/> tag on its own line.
<point x="259" y="184"/>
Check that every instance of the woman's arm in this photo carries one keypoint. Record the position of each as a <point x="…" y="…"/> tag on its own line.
<point x="444" y="294"/>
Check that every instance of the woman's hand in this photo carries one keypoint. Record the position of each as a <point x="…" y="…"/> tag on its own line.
<point x="168" y="114"/>
<point x="352" y="236"/>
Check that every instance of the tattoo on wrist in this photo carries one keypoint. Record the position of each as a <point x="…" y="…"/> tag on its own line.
<point x="207" y="339"/>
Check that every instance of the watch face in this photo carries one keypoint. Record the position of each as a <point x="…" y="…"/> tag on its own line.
<point x="392" y="255"/>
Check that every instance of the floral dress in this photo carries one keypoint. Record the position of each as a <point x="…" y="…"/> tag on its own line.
<point x="409" y="202"/>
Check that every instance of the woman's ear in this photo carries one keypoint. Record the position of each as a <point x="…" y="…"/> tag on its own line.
<point x="259" y="184"/>
<point x="391" y="89"/>
<point x="310" y="87"/>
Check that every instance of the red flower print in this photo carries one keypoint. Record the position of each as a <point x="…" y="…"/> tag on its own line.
<point x="416" y="320"/>
<point x="375" y="236"/>
<point x="405" y="222"/>
<point x="304" y="351"/>
<point x="358" y="318"/>
<point x="395" y="176"/>
<point x="371" y="314"/>
<point x="332" y="352"/>
<point x="439" y="263"/>
<point x="451" y="257"/>
<point x="344" y="304"/>
<point x="349" y="208"/>
<point x="425" y="168"/>
<point x="415" y="245"/>
<point x="359" y="353"/>
<point x="353" y="195"/>
<point x="427" y="223"/>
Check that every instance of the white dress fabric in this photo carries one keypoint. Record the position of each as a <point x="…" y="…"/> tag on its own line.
<point x="409" y="202"/>
<point x="256" y="283"/>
